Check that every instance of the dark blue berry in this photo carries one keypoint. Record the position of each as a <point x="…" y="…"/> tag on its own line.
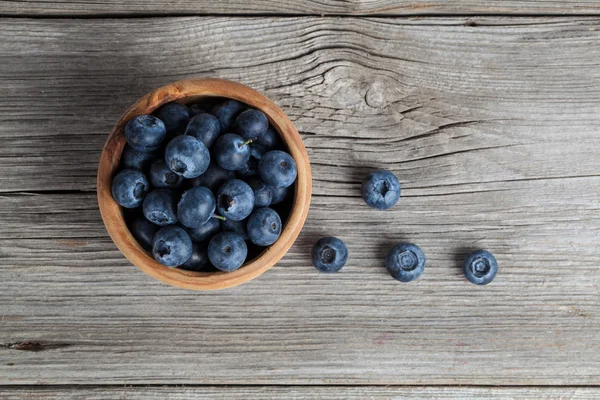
<point x="204" y="127"/>
<point x="329" y="254"/>
<point x="235" y="200"/>
<point x="145" y="133"/>
<point x="262" y="193"/>
<point x="227" y="251"/>
<point x="132" y="158"/>
<point x="380" y="189"/>
<point x="251" y="124"/>
<point x="250" y="169"/>
<point x="480" y="267"/>
<point x="277" y="169"/>
<point x="198" y="261"/>
<point x="143" y="231"/>
<point x="196" y="207"/>
<point x="279" y="195"/>
<point x="198" y="108"/>
<point x="405" y="262"/>
<point x="231" y="152"/>
<point x="187" y="156"/>
<point x="175" y="116"/>
<point x="129" y="187"/>
<point x="264" y="226"/>
<point x="162" y="177"/>
<point x="238" y="227"/>
<point x="160" y="207"/>
<point x="227" y="112"/>
<point x="205" y="231"/>
<point x="172" y="246"/>
<point x="270" y="140"/>
<point x="213" y="177"/>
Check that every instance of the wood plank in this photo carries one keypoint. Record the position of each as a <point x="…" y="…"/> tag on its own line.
<point x="300" y="392"/>
<point x="297" y="7"/>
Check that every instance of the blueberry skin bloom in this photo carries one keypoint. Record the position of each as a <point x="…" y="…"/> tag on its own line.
<point x="231" y="152"/>
<point x="262" y="193"/>
<point x="235" y="200"/>
<point x="187" y="156"/>
<point x="251" y="124"/>
<point x="380" y="189"/>
<point x="205" y="231"/>
<point x="204" y="127"/>
<point x="270" y="140"/>
<point x="143" y="231"/>
<point x="277" y="169"/>
<point x="405" y="262"/>
<point x="196" y="207"/>
<point x="227" y="251"/>
<point x="264" y="226"/>
<point x="145" y="132"/>
<point x="159" y="207"/>
<point x="162" y="177"/>
<point x="329" y="254"/>
<point x="213" y="177"/>
<point x="278" y="195"/>
<point x="129" y="187"/>
<point x="227" y="112"/>
<point x="175" y="116"/>
<point x="172" y="246"/>
<point x="238" y="227"/>
<point x="132" y="158"/>
<point x="480" y="267"/>
<point x="198" y="261"/>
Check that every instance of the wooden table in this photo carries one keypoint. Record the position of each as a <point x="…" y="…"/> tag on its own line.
<point x="488" y="112"/>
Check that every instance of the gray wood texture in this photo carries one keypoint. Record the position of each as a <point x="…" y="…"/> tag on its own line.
<point x="297" y="7"/>
<point x="491" y="124"/>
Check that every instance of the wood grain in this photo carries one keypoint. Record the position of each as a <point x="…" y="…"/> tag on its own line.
<point x="296" y="7"/>
<point x="300" y="392"/>
<point x="492" y="129"/>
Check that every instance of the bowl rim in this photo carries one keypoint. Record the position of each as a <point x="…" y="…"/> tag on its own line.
<point x="188" y="91"/>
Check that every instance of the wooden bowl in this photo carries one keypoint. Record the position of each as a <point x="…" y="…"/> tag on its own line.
<point x="189" y="91"/>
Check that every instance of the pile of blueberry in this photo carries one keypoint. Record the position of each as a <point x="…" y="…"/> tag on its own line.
<point x="204" y="185"/>
<point x="406" y="261"/>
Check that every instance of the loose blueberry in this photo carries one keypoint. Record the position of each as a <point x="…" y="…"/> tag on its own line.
<point x="205" y="231"/>
<point x="129" y="187"/>
<point x="145" y="133"/>
<point x="187" y="156"/>
<point x="162" y="177"/>
<point x="270" y="139"/>
<point x="175" y="116"/>
<point x="250" y="169"/>
<point x="277" y="169"/>
<point x="235" y="200"/>
<point x="279" y="195"/>
<point x="172" y="246"/>
<point x="329" y="254"/>
<point x="227" y="251"/>
<point x="380" y="189"/>
<point x="231" y="151"/>
<point x="196" y="207"/>
<point x="132" y="158"/>
<point x="227" y="112"/>
<point x="238" y="227"/>
<point x="198" y="261"/>
<point x="159" y="207"/>
<point x="251" y="124"/>
<point x="204" y="127"/>
<point x="262" y="193"/>
<point x="143" y="231"/>
<point x="405" y="262"/>
<point x="213" y="177"/>
<point x="480" y="267"/>
<point x="264" y="226"/>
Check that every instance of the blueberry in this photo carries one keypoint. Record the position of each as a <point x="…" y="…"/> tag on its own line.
<point x="262" y="193"/>
<point x="172" y="246"/>
<point x="270" y="139"/>
<point x="204" y="127"/>
<point x="162" y="177"/>
<point x="227" y="251"/>
<point x="235" y="200"/>
<point x="213" y="177"/>
<point x="251" y="124"/>
<point x="129" y="187"/>
<point x="405" y="262"/>
<point x="198" y="108"/>
<point x="250" y="169"/>
<point x="278" y="195"/>
<point x="380" y="189"/>
<point x="145" y="133"/>
<point x="198" y="261"/>
<point x="205" y="231"/>
<point x="159" y="207"/>
<point x="175" y="116"/>
<point x="238" y="227"/>
<point x="187" y="156"/>
<point x="277" y="169"/>
<point x="329" y="254"/>
<point x="132" y="158"/>
<point x="231" y="152"/>
<point x="480" y="267"/>
<point x="227" y="112"/>
<point x="196" y="207"/>
<point x="143" y="231"/>
<point x="264" y="226"/>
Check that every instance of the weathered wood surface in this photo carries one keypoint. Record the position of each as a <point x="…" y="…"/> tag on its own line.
<point x="493" y="130"/>
<point x="298" y="7"/>
<point x="300" y="392"/>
